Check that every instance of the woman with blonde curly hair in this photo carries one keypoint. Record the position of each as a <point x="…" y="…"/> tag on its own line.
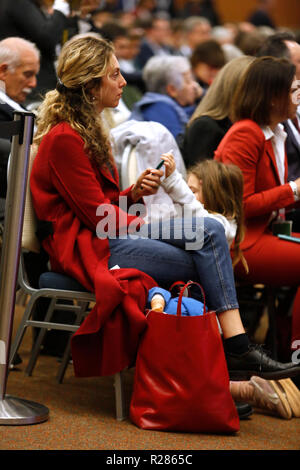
<point x="94" y="229"/>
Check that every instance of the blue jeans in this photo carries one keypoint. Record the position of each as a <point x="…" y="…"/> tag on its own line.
<point x="166" y="259"/>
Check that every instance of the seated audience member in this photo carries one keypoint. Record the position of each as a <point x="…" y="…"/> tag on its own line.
<point x="203" y="8"/>
<point x="30" y="20"/>
<point x="171" y="93"/>
<point x="71" y="195"/>
<point x="19" y="66"/>
<point x="255" y="143"/>
<point x="206" y="60"/>
<point x="231" y="52"/>
<point x="156" y="40"/>
<point x="284" y="44"/>
<point x="121" y="40"/>
<point x="211" y="119"/>
<point x="262" y="15"/>
<point x="249" y="42"/>
<point x="212" y="190"/>
<point x="196" y="29"/>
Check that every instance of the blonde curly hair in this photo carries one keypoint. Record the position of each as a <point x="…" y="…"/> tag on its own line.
<point x="82" y="63"/>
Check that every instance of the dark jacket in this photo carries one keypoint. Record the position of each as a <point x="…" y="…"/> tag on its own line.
<point x="202" y="138"/>
<point x="6" y="114"/>
<point x="25" y="19"/>
<point x="293" y="153"/>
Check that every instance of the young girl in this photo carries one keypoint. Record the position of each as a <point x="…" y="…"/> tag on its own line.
<point x="212" y="190"/>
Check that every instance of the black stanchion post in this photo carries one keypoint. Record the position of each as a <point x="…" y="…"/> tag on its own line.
<point x="14" y="410"/>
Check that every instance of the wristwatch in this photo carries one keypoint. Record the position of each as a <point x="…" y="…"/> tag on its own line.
<point x="294" y="189"/>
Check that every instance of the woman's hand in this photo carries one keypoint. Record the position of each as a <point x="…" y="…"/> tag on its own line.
<point x="297" y="181"/>
<point x="147" y="184"/>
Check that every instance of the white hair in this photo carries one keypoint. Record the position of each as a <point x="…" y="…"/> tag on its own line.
<point x="189" y="24"/>
<point x="11" y="50"/>
<point x="161" y="71"/>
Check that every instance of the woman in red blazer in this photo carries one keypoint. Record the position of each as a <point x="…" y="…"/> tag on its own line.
<point x="96" y="228"/>
<point x="265" y="97"/>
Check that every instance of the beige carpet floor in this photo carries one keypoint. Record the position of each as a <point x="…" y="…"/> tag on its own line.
<point x="82" y="417"/>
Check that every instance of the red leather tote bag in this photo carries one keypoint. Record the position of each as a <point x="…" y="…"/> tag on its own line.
<point x="181" y="379"/>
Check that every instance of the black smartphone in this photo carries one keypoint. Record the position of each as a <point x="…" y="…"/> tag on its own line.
<point x="160" y="165"/>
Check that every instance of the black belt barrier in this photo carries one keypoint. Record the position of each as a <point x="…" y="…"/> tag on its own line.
<point x="14" y="410"/>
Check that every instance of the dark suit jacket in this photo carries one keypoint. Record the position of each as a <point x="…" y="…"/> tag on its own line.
<point x="293" y="153"/>
<point x="25" y="19"/>
<point x="6" y="114"/>
<point x="146" y="52"/>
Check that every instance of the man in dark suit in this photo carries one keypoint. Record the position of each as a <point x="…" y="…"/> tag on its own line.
<point x="31" y="20"/>
<point x="155" y="42"/>
<point x="19" y="66"/>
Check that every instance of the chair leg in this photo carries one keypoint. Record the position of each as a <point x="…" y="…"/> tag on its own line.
<point x="37" y="345"/>
<point x="21" y="330"/>
<point x="119" y="396"/>
<point x="67" y="351"/>
<point x="64" y="362"/>
<point x="272" y="333"/>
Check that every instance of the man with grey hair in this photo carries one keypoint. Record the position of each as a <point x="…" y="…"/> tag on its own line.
<point x="19" y="66"/>
<point x="196" y="30"/>
<point x="172" y="93"/>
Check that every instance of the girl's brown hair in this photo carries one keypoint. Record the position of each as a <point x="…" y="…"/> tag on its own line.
<point x="82" y="63"/>
<point x="222" y="190"/>
<point x="266" y="83"/>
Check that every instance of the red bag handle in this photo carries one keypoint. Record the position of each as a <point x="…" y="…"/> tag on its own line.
<point x="185" y="286"/>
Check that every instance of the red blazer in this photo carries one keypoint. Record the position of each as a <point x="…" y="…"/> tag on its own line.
<point x="245" y="146"/>
<point x="67" y="190"/>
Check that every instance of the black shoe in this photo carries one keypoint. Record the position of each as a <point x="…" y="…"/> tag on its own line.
<point x="256" y="362"/>
<point x="244" y="410"/>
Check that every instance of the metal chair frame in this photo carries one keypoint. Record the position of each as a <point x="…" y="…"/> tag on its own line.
<point x="80" y="302"/>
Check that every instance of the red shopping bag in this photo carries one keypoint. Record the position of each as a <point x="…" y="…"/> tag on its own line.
<point x="181" y="379"/>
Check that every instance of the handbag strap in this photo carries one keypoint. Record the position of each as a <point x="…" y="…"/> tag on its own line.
<point x="185" y="286"/>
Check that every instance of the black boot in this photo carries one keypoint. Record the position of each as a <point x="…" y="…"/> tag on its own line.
<point x="255" y="361"/>
<point x="244" y="410"/>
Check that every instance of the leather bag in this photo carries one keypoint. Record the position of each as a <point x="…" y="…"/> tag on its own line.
<point x="181" y="379"/>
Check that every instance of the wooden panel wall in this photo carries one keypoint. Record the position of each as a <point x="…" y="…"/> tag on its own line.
<point x="286" y="12"/>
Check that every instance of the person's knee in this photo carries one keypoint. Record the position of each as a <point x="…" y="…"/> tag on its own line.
<point x="213" y="227"/>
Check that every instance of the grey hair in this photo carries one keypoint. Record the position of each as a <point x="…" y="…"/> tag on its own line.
<point x="161" y="71"/>
<point x="11" y="50"/>
<point x="190" y="23"/>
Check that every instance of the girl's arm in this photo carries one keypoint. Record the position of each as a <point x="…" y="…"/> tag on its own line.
<point x="178" y="190"/>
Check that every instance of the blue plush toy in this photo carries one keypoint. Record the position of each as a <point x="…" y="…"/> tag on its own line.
<point x="189" y="307"/>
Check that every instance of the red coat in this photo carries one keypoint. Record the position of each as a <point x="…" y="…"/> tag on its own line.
<point x="245" y="146"/>
<point x="66" y="190"/>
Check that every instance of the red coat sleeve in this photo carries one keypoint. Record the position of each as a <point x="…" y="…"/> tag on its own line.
<point x="245" y="146"/>
<point x="73" y="176"/>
